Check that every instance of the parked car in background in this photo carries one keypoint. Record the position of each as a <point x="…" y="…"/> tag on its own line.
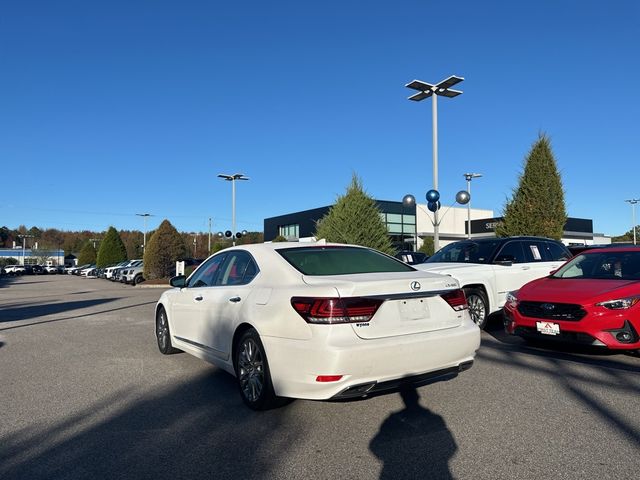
<point x="14" y="269"/>
<point x="317" y="321"/>
<point x="594" y="299"/>
<point x="489" y="268"/>
<point x="76" y="270"/>
<point x="109" y="271"/>
<point x="133" y="275"/>
<point x="89" y="271"/>
<point x="412" y="258"/>
<point x="51" y="269"/>
<point x="118" y="272"/>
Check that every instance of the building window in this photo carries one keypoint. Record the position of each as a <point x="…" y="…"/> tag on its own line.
<point x="289" y="232"/>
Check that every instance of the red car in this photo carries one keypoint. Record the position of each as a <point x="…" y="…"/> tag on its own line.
<point x="593" y="299"/>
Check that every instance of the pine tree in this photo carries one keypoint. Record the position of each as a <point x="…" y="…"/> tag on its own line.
<point x="355" y="218"/>
<point x="87" y="254"/>
<point x="537" y="206"/>
<point x="112" y="249"/>
<point x="163" y="250"/>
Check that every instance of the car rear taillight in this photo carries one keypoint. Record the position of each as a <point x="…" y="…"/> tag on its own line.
<point x="335" y="310"/>
<point x="456" y="299"/>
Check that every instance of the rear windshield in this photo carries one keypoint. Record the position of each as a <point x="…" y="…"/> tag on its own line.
<point x="341" y="261"/>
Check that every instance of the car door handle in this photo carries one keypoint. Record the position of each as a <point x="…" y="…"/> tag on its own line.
<point x="198" y="298"/>
<point x="526" y="268"/>
<point x="235" y="299"/>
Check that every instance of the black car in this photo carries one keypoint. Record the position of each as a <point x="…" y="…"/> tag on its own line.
<point x="412" y="258"/>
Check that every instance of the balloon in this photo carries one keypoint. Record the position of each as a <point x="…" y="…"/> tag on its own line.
<point x="463" y="197"/>
<point x="433" y="206"/>
<point x="433" y="196"/>
<point x="408" y="200"/>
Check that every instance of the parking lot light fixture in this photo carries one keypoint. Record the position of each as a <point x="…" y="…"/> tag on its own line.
<point x="426" y="90"/>
<point x="24" y="239"/>
<point x="633" y="202"/>
<point x="232" y="179"/>
<point x="144" y="237"/>
<point x="468" y="177"/>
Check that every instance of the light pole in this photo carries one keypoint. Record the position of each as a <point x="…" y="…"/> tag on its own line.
<point x="24" y="238"/>
<point x="426" y="90"/>
<point x="232" y="179"/>
<point x="633" y="202"/>
<point x="144" y="236"/>
<point x="468" y="177"/>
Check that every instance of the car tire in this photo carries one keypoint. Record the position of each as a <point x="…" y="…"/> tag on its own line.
<point x="137" y="279"/>
<point x="163" y="335"/>
<point x="252" y="372"/>
<point x="478" y="306"/>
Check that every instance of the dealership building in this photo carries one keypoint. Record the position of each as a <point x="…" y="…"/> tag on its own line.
<point x="28" y="256"/>
<point x="407" y="226"/>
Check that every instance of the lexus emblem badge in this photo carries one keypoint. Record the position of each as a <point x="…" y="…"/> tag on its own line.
<point x="415" y="286"/>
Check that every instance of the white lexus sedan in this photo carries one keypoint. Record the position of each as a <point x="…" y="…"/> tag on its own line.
<point x="317" y="321"/>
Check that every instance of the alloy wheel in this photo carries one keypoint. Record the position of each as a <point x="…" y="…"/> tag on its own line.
<point x="251" y="370"/>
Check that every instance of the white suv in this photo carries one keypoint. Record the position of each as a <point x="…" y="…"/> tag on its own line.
<point x="489" y="268"/>
<point x="14" y="269"/>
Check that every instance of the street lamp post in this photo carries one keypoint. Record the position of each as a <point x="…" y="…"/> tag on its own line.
<point x="468" y="177"/>
<point x="633" y="202"/>
<point x="24" y="240"/>
<point x="144" y="235"/>
<point x="426" y="90"/>
<point x="232" y="179"/>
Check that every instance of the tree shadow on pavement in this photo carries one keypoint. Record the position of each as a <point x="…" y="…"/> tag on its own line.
<point x="23" y="312"/>
<point x="414" y="442"/>
<point x="198" y="429"/>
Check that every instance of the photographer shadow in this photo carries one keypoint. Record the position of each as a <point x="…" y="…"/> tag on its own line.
<point x="414" y="442"/>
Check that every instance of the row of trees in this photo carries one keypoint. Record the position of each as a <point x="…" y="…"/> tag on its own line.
<point x="165" y="246"/>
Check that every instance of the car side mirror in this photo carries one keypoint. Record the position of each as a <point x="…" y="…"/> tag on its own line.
<point x="506" y="260"/>
<point x="553" y="271"/>
<point x="179" y="281"/>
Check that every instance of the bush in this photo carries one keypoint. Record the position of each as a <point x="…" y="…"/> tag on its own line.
<point x="87" y="254"/>
<point x="164" y="249"/>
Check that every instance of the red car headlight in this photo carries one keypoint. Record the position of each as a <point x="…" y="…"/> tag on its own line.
<point x="620" y="303"/>
<point x="512" y="299"/>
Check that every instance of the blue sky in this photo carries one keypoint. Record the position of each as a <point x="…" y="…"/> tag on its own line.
<point x="113" y="108"/>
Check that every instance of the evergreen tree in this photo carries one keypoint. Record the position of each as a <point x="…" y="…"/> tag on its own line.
<point x="112" y="249"/>
<point x="428" y="246"/>
<point x="537" y="206"/>
<point x="87" y="254"/>
<point x="164" y="249"/>
<point x="355" y="219"/>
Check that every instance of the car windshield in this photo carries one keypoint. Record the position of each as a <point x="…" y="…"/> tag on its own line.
<point x="466" y="252"/>
<point x="341" y="261"/>
<point x="602" y="265"/>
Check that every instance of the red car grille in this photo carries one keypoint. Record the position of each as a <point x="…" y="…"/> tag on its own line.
<point x="552" y="311"/>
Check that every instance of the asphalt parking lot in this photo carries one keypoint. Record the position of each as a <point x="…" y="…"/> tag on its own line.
<point x="84" y="393"/>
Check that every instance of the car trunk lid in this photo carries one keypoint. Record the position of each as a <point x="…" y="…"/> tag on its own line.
<point x="412" y="302"/>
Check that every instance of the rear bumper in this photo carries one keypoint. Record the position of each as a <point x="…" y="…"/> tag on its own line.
<point x="372" y="388"/>
<point x="366" y="366"/>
